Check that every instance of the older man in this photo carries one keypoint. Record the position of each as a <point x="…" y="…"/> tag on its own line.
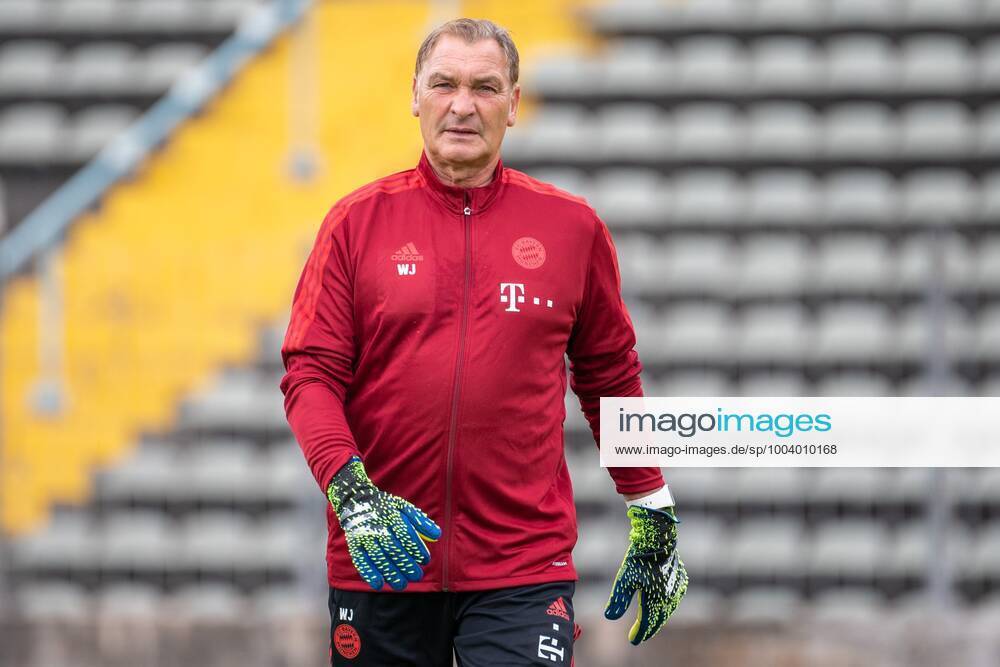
<point x="425" y="369"/>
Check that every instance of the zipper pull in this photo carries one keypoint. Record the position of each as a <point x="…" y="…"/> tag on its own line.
<point x="468" y="210"/>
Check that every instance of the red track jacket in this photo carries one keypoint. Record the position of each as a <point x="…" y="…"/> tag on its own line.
<point x="428" y="334"/>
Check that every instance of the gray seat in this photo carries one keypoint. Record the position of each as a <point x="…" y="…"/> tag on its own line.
<point x="916" y="266"/>
<point x="29" y="65"/>
<point x="783" y="129"/>
<point x="635" y="65"/>
<point x="240" y="398"/>
<point x="562" y="73"/>
<point x="768" y="548"/>
<point x="700" y="13"/>
<point x="989" y="130"/>
<point x="140" y="540"/>
<point x="691" y="263"/>
<point x="31" y="132"/>
<point x="129" y="602"/>
<point x="708" y="196"/>
<point x="989" y="63"/>
<point x="862" y="63"/>
<point x="786" y="64"/>
<point x="697" y="331"/>
<point x="556" y="131"/>
<point x="934" y="12"/>
<point x="68" y="542"/>
<point x="223" y="471"/>
<point x="102" y="67"/>
<point x="778" y="264"/>
<point x="166" y="14"/>
<point x="914" y="336"/>
<point x="692" y="383"/>
<point x="785" y="383"/>
<point x="854" y="548"/>
<point x="165" y="63"/>
<point x="865" y="12"/>
<point x="218" y="540"/>
<point x="229" y="13"/>
<point x="634" y="131"/>
<point x="91" y="15"/>
<point x="783" y="196"/>
<point x="853" y="332"/>
<point x="711" y="63"/>
<point x="789" y="13"/>
<point x="850" y="605"/>
<point x="936" y="63"/>
<point x="863" y="486"/>
<point x="708" y="130"/>
<point x="854" y="383"/>
<point x="54" y="602"/>
<point x="937" y="128"/>
<point x="989" y="197"/>
<point x="860" y="129"/>
<point x="207" y="603"/>
<point x="771" y="486"/>
<point x="859" y="263"/>
<point x="631" y="196"/>
<point x="988" y="265"/>
<point x="988" y="334"/>
<point x="775" y="332"/>
<point x="22" y="14"/>
<point x="764" y="606"/>
<point x="860" y="195"/>
<point x="96" y="126"/>
<point x="938" y="196"/>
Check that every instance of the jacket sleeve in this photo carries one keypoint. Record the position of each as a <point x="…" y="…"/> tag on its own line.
<point x="603" y="361"/>
<point x="318" y="352"/>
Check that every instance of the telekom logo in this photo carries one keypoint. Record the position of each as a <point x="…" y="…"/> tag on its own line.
<point x="514" y="295"/>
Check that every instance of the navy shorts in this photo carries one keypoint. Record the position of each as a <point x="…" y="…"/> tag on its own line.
<point x="523" y="625"/>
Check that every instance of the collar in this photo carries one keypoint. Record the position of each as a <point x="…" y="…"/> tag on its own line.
<point x="454" y="198"/>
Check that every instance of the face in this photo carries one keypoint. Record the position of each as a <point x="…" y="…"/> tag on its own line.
<point x="465" y="101"/>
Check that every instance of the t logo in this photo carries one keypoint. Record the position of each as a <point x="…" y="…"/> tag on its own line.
<point x="514" y="295"/>
<point x="549" y="649"/>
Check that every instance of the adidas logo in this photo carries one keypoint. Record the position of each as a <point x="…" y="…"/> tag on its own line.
<point x="408" y="253"/>
<point x="558" y="608"/>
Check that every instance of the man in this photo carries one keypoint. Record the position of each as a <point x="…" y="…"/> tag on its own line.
<point x="425" y="369"/>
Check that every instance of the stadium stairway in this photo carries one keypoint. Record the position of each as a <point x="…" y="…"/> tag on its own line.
<point x="173" y="275"/>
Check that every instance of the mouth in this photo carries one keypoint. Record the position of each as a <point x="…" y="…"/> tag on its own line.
<point x="460" y="131"/>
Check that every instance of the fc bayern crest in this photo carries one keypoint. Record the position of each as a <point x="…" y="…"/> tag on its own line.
<point x="528" y="252"/>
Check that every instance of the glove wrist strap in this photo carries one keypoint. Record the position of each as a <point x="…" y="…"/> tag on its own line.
<point x="656" y="500"/>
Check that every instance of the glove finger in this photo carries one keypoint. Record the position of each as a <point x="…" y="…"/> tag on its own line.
<point x="366" y="567"/>
<point x="648" y="622"/>
<point x="383" y="562"/>
<point x="402" y="559"/>
<point x="621" y="595"/>
<point x="410" y="540"/>
<point x="424" y="525"/>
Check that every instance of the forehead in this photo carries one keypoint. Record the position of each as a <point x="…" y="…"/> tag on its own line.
<point x="454" y="55"/>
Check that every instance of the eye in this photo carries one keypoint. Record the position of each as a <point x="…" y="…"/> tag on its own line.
<point x="488" y="89"/>
<point x="442" y="84"/>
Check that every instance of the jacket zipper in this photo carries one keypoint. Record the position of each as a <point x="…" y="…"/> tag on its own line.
<point x="453" y="427"/>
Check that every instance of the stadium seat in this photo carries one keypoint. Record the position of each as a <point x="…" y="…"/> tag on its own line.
<point x="31" y="131"/>
<point x="573" y="181"/>
<point x="775" y="333"/>
<point x="556" y="130"/>
<point x="222" y="471"/>
<point x="774" y="264"/>
<point x="936" y="63"/>
<point x="86" y="14"/>
<point x="701" y="13"/>
<point x="782" y="196"/>
<point x="848" y="548"/>
<point x="854" y="383"/>
<point x="695" y="331"/>
<point x="773" y="384"/>
<point x="848" y="605"/>
<point x="711" y="63"/>
<point x="938" y="196"/>
<point x="635" y="66"/>
<point x="700" y="608"/>
<point x="860" y="129"/>
<point x="862" y="62"/>
<point x="936" y="129"/>
<point x="139" y="541"/>
<point x="915" y="263"/>
<point x="768" y="548"/>
<point x="29" y="65"/>
<point x="856" y="486"/>
<point x="989" y="197"/>
<point x="218" y="541"/>
<point x="562" y="73"/>
<point x="165" y="63"/>
<point x="989" y="63"/>
<point x="173" y="14"/>
<point x="988" y="333"/>
<point x="128" y="603"/>
<point x="860" y="195"/>
<point x="240" y="398"/>
<point x="856" y="263"/>
<point x="701" y="485"/>
<point x="764" y="605"/>
<point x="785" y="130"/>
<point x="789" y="13"/>
<point x="988" y="265"/>
<point x="989" y="130"/>
<point x="633" y="131"/>
<point x="690" y="263"/>
<point x="986" y="552"/>
<point x="94" y="127"/>
<point x="786" y="64"/>
<point x="914" y="336"/>
<point x="206" y="603"/>
<point x="54" y="602"/>
<point x="933" y="12"/>
<point x="693" y="383"/>
<point x="103" y="67"/>
<point x="771" y="486"/>
<point x="708" y="196"/>
<point x="68" y="542"/>
<point x="698" y="541"/>
<point x="631" y="196"/>
<point x="865" y="12"/>
<point x="704" y="130"/>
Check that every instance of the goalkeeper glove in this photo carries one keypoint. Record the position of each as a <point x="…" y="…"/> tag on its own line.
<point x="652" y="567"/>
<point x="384" y="533"/>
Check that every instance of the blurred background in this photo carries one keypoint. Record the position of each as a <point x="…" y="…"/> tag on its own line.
<point x="805" y="195"/>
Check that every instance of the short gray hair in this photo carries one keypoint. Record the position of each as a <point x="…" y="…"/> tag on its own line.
<point x="472" y="31"/>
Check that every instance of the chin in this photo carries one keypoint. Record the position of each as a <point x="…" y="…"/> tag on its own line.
<point x="462" y="154"/>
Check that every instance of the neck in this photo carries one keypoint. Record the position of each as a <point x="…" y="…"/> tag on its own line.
<point x="464" y="176"/>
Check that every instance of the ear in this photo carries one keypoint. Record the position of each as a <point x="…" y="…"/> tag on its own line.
<point x="515" y="99"/>
<point x="414" y="106"/>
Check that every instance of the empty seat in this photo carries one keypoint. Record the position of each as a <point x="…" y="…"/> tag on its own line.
<point x="917" y="266"/>
<point x="783" y="130"/>
<point x="935" y="12"/>
<point x="209" y="602"/>
<point x="936" y="128"/>
<point x="685" y="264"/>
<point x="708" y="130"/>
<point x="774" y="264"/>
<point x="848" y="605"/>
<point x="139" y="541"/>
<point x="631" y="196"/>
<point x="634" y="131"/>
<point x="31" y="132"/>
<point x="853" y="486"/>
<point x="989" y="63"/>
<point x="129" y="602"/>
<point x="692" y="383"/>
<point x="849" y="548"/>
<point x="786" y="64"/>
<point x="775" y="333"/>
<point x="556" y="130"/>
<point x="858" y="263"/>
<point x="222" y="471"/>
<point x="102" y="67"/>
<point x="860" y="129"/>
<point x="860" y="195"/>
<point x="768" y="548"/>
<point x="42" y="601"/>
<point x="169" y="14"/>
<point x="854" y="383"/>
<point x="765" y="606"/>
<point x="853" y="332"/>
<point x="917" y="338"/>
<point x="989" y="197"/>
<point x="989" y="130"/>
<point x="228" y="13"/>
<point x="783" y="383"/>
<point x="699" y="542"/>
<point x="862" y="62"/>
<point x="218" y="540"/>
<point x="988" y="334"/>
<point x="86" y="14"/>
<point x="789" y="13"/>
<point x="711" y="63"/>
<point x="22" y="14"/>
<point x="68" y="542"/>
<point x="938" y="196"/>
<point x="783" y="196"/>
<point x="96" y="126"/>
<point x="708" y="196"/>
<point x="165" y="63"/>
<point x="988" y="265"/>
<point x="936" y="63"/>
<point x="700" y="13"/>
<point x="636" y="66"/>
<point x="696" y="331"/>
<point x="562" y="73"/>
<point x="865" y="12"/>
<point x="573" y="181"/>
<point x="769" y="486"/>
<point x="29" y="65"/>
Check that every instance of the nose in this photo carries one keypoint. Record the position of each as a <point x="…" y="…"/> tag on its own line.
<point x="462" y="104"/>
